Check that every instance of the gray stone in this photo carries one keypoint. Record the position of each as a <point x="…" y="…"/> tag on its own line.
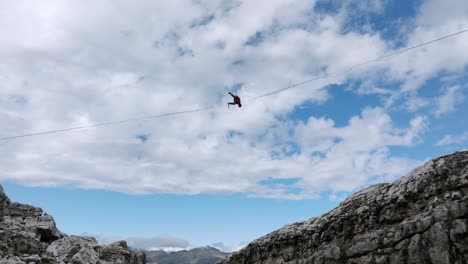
<point x="28" y="235"/>
<point x="32" y="259"/>
<point x="420" y="218"/>
<point x="119" y="253"/>
<point x="73" y="247"/>
<point x="11" y="260"/>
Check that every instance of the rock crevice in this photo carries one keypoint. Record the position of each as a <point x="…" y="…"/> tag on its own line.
<point x="420" y="218"/>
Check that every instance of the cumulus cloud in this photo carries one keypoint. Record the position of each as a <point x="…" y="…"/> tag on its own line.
<point x="453" y="139"/>
<point x="414" y="104"/>
<point x="408" y="75"/>
<point x="69" y="64"/>
<point x="448" y="101"/>
<point x="436" y="12"/>
<point x="358" y="151"/>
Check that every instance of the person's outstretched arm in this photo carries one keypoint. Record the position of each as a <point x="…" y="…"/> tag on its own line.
<point x="232" y="95"/>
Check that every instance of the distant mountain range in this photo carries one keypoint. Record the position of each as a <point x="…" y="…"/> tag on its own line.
<point x="203" y="255"/>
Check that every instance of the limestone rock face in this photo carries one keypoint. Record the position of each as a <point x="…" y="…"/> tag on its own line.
<point x="82" y="250"/>
<point x="118" y="253"/>
<point x="29" y="236"/>
<point x="420" y="218"/>
<point x="73" y="249"/>
<point x="24" y="229"/>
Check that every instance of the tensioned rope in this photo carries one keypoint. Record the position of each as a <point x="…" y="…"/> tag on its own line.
<point x="255" y="98"/>
<point x="108" y="123"/>
<point x="361" y="64"/>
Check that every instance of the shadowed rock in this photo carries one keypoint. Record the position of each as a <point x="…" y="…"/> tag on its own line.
<point x="28" y="235"/>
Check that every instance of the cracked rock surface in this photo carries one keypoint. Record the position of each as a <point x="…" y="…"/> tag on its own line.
<point x="30" y="236"/>
<point x="420" y="218"/>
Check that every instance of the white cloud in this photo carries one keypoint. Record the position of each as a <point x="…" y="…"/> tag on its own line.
<point x="357" y="152"/>
<point x="453" y="139"/>
<point x="436" y="12"/>
<point x="78" y="63"/>
<point x="415" y="103"/>
<point x="408" y="74"/>
<point x="163" y="242"/>
<point x="229" y="248"/>
<point x="417" y="67"/>
<point x="448" y="101"/>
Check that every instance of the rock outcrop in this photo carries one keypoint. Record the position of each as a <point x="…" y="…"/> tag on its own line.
<point x="421" y="218"/>
<point x="28" y="235"/>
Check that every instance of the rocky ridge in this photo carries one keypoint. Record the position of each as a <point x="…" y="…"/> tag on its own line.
<point x="203" y="255"/>
<point x="420" y="218"/>
<point x="30" y="236"/>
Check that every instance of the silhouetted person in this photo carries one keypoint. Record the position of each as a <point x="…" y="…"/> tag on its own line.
<point x="237" y="100"/>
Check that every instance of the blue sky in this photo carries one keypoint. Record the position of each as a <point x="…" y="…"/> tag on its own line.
<point x="205" y="219"/>
<point x="223" y="176"/>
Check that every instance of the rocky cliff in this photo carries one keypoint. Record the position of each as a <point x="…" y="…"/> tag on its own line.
<point x="29" y="236"/>
<point x="420" y="218"/>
